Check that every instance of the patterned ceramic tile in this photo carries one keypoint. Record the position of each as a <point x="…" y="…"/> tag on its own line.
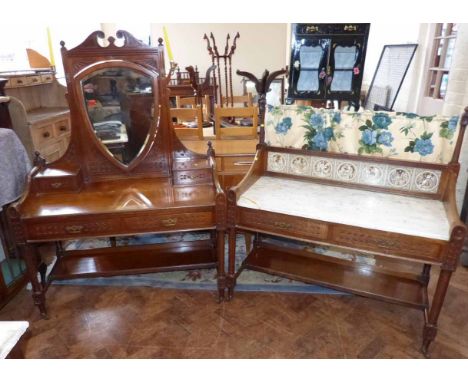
<point x="356" y="172"/>
<point x="399" y="177"/>
<point x="278" y="162"/>
<point x="346" y="171"/>
<point x="426" y="180"/>
<point x="299" y="165"/>
<point x="322" y="167"/>
<point x="373" y="174"/>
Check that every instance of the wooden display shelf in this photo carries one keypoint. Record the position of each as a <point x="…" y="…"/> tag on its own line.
<point x="45" y="113"/>
<point x="338" y="274"/>
<point x="134" y="259"/>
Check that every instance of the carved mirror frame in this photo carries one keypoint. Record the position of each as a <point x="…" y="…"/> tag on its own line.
<point x="113" y="64"/>
<point x="93" y="160"/>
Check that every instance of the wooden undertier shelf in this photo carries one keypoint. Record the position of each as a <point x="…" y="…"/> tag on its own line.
<point x="338" y="274"/>
<point x="133" y="259"/>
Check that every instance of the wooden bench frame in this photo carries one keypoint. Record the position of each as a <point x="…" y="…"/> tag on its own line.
<point x="395" y="287"/>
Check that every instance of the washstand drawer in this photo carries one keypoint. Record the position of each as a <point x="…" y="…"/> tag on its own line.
<point x="169" y="221"/>
<point x="282" y="224"/>
<point x="72" y="228"/>
<point x="387" y="242"/>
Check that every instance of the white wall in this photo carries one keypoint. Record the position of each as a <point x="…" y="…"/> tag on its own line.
<point x="260" y="46"/>
<point x="395" y="33"/>
<point x="456" y="99"/>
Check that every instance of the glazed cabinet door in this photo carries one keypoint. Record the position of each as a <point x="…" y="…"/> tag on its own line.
<point x="309" y="59"/>
<point x="344" y="71"/>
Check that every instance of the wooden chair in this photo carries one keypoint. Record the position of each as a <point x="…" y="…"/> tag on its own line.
<point x="236" y="132"/>
<point x="185" y="115"/>
<point x="184" y="102"/>
<point x="244" y="100"/>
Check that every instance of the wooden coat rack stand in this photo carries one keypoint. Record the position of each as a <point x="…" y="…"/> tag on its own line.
<point x="226" y="60"/>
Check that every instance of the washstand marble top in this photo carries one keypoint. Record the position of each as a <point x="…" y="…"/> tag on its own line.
<point x="367" y="209"/>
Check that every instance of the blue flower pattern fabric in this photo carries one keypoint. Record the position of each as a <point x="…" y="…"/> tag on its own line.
<point x="404" y="136"/>
<point x="284" y="125"/>
<point x="381" y="120"/>
<point x="423" y="146"/>
<point x="385" y="138"/>
<point x="375" y="134"/>
<point x="318" y="136"/>
<point x="369" y="137"/>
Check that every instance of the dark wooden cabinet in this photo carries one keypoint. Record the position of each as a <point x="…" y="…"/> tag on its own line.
<point x="327" y="61"/>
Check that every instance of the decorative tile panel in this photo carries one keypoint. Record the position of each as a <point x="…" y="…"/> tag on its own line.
<point x="356" y="172"/>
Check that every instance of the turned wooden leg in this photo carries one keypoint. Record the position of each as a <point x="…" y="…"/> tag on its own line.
<point x="30" y="257"/>
<point x="430" y="327"/>
<point x="232" y="263"/>
<point x="248" y="242"/>
<point x="221" y="266"/>
<point x="113" y="241"/>
<point x="43" y="272"/>
<point x="425" y="274"/>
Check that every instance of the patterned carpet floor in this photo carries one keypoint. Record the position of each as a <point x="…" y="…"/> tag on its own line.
<point x="204" y="279"/>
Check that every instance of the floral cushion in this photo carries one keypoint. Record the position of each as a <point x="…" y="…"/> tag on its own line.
<point x="403" y="136"/>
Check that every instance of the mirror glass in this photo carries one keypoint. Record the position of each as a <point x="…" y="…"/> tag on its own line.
<point x="345" y="59"/>
<point x="120" y="106"/>
<point x="310" y="58"/>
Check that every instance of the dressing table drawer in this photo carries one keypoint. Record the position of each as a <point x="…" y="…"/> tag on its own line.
<point x="169" y="221"/>
<point x="192" y="176"/>
<point x="282" y="224"/>
<point x="88" y="227"/>
<point x="58" y="184"/>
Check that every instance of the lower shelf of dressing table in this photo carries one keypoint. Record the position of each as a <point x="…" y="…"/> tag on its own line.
<point x="134" y="259"/>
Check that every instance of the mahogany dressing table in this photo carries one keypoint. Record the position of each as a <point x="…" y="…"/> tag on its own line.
<point x="151" y="184"/>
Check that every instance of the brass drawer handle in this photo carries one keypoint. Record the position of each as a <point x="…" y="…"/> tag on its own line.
<point x="46" y="134"/>
<point x="56" y="185"/>
<point x="242" y="163"/>
<point x="283" y="225"/>
<point x="74" y="228"/>
<point x="63" y="128"/>
<point x="169" y="222"/>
